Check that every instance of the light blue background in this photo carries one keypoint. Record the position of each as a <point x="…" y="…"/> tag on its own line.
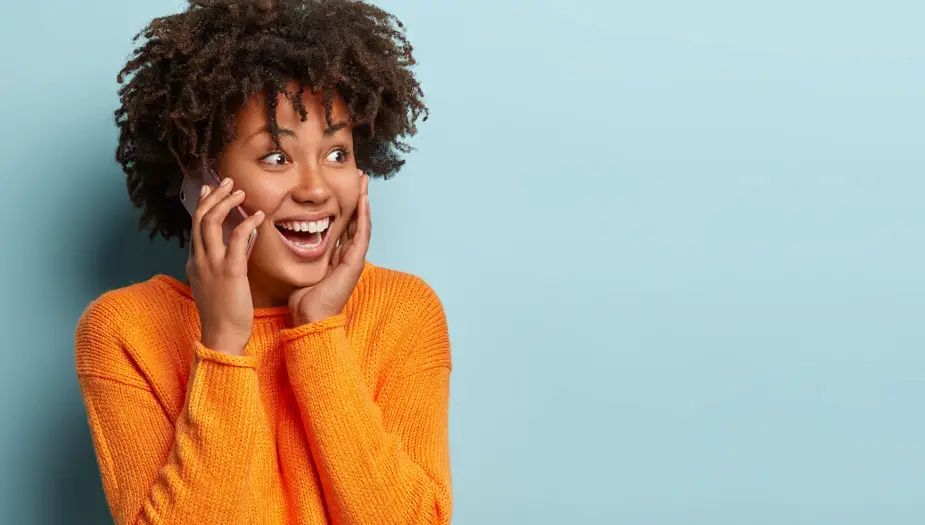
<point x="680" y="245"/>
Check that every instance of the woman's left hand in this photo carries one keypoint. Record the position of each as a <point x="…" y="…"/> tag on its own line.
<point x="328" y="297"/>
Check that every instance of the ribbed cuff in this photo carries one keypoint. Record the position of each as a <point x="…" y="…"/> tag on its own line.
<point x="207" y="354"/>
<point x="336" y="321"/>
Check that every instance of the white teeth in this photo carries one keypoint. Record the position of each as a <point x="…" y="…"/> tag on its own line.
<point x="318" y="226"/>
<point x="305" y="244"/>
<point x="306" y="226"/>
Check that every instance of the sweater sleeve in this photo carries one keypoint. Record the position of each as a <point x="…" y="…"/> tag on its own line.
<point x="156" y="470"/>
<point x="384" y="461"/>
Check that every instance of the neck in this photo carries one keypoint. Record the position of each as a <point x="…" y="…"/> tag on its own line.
<point x="267" y="292"/>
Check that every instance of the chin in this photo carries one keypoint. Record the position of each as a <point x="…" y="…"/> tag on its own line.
<point x="303" y="275"/>
<point x="276" y="264"/>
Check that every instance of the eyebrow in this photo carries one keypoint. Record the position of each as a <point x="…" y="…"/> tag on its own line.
<point x="330" y="131"/>
<point x="335" y="128"/>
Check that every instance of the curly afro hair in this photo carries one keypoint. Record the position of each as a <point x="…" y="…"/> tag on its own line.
<point x="196" y="68"/>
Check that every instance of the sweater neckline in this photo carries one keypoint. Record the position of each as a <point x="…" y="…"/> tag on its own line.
<point x="271" y="311"/>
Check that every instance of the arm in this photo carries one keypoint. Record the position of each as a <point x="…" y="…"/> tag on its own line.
<point x="379" y="462"/>
<point x="156" y="470"/>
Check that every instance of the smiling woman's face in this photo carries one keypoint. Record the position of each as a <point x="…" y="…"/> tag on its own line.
<point x="308" y="190"/>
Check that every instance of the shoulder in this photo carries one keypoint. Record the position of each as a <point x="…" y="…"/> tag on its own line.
<point x="124" y="307"/>
<point x="400" y="290"/>
<point x="118" y="318"/>
<point x="411" y="310"/>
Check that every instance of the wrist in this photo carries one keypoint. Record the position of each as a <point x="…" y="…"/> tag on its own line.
<point x="306" y="318"/>
<point x="204" y="353"/>
<point x="224" y="345"/>
<point x="299" y="330"/>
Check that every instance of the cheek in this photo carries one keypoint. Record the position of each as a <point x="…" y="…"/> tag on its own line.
<point x="261" y="194"/>
<point x="347" y="191"/>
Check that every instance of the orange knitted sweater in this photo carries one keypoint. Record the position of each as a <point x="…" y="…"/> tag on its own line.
<point x="340" y="421"/>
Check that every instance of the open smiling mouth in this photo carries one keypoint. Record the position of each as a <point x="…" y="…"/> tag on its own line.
<point x="305" y="238"/>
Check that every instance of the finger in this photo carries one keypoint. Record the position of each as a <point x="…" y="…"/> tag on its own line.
<point x="359" y="243"/>
<point x="352" y="226"/>
<point x="213" y="196"/>
<point x="212" y="225"/>
<point x="364" y="220"/>
<point x="344" y="241"/>
<point x="240" y="237"/>
<point x="344" y="244"/>
<point x="195" y="245"/>
<point x="335" y="257"/>
<point x="364" y="192"/>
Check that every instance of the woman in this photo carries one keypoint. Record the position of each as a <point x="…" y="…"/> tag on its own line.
<point x="295" y="383"/>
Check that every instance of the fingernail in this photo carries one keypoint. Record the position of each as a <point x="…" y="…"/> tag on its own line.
<point x="237" y="192"/>
<point x="258" y="213"/>
<point x="203" y="191"/>
<point x="226" y="182"/>
<point x="359" y="171"/>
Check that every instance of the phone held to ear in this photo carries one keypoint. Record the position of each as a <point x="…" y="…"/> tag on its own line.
<point x="189" y="196"/>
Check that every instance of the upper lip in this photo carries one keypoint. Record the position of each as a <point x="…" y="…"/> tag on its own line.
<point x="307" y="218"/>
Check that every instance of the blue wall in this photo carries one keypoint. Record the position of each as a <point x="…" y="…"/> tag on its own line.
<point x="681" y="246"/>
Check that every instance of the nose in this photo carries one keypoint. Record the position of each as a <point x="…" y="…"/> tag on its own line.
<point x="311" y="188"/>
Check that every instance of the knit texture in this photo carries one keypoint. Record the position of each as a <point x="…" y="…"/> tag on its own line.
<point x="340" y="421"/>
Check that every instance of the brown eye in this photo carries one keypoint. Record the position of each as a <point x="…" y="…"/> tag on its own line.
<point x="344" y="155"/>
<point x="275" y="159"/>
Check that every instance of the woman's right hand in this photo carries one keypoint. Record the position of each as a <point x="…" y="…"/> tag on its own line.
<point x="218" y="274"/>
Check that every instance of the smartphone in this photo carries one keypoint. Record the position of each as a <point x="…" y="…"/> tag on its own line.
<point x="189" y="196"/>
